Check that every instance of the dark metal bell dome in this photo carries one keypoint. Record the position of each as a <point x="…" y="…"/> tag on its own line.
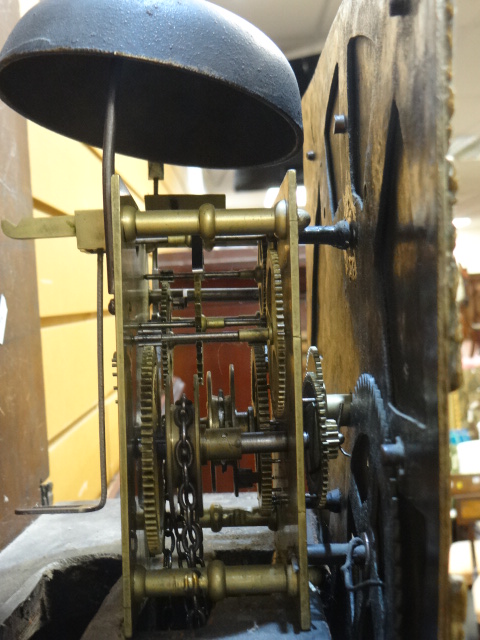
<point x="197" y="85"/>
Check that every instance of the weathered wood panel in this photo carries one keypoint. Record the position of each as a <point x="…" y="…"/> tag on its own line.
<point x="382" y="308"/>
<point x="23" y="439"/>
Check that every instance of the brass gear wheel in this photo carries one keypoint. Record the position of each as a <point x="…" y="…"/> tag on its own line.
<point x="152" y="468"/>
<point x="323" y="434"/>
<point x="277" y="352"/>
<point x="166" y="351"/>
<point x="262" y="285"/>
<point x="261" y="410"/>
<point x="197" y="282"/>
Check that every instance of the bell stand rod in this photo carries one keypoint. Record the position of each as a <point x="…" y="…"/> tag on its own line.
<point x="108" y="168"/>
<point x="88" y="507"/>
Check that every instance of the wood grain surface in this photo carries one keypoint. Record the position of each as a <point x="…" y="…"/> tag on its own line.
<point x="23" y="438"/>
<point x="382" y="309"/>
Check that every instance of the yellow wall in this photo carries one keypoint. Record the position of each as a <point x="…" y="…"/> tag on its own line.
<point x="66" y="176"/>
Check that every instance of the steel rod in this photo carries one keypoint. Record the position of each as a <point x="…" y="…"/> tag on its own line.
<point x="184" y="275"/>
<point x="187" y="338"/>
<point x="244" y="321"/>
<point x="264" y="442"/>
<point x="219" y="241"/>
<point x="339" y="405"/>
<point x="108" y="169"/>
<point x="155" y="326"/>
<point x="243" y="240"/>
<point x="88" y="508"/>
<point x="216" y="518"/>
<point x="245" y="335"/>
<point x="247" y="294"/>
<point x="334" y="553"/>
<point x="240" y="321"/>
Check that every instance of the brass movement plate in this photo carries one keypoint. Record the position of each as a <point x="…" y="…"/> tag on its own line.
<point x="131" y="308"/>
<point x="292" y="534"/>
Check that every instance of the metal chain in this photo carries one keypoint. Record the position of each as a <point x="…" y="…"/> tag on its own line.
<point x="168" y="553"/>
<point x="187" y="532"/>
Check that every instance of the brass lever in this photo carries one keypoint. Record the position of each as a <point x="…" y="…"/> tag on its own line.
<point x="87" y="226"/>
<point x="31" y="228"/>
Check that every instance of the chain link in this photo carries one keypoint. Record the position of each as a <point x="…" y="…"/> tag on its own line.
<point x="168" y="553"/>
<point x="185" y="530"/>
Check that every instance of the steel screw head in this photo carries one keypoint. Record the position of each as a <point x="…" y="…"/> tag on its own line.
<point x="311" y="155"/>
<point x="340" y="123"/>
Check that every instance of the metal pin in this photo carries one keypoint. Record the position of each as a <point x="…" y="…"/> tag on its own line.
<point x="340" y="123"/>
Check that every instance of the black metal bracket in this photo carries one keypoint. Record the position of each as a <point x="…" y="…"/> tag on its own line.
<point x="342" y="235"/>
<point x="197" y="254"/>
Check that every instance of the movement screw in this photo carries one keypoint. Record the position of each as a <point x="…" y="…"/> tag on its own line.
<point x="340" y="124"/>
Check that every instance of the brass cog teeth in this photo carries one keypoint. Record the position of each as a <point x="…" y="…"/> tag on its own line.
<point x="277" y="369"/>
<point x="329" y="435"/>
<point x="277" y="345"/>
<point x="262" y="413"/>
<point x="197" y="282"/>
<point x="262" y="263"/>
<point x="150" y="481"/>
<point x="260" y="398"/>
<point x="200" y="368"/>
<point x="166" y="316"/>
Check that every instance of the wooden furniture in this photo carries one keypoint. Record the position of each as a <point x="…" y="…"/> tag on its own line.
<point x="470" y="308"/>
<point x="23" y="453"/>
<point x="465" y="490"/>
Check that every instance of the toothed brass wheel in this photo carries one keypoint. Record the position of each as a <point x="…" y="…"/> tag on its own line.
<point x="276" y="324"/>
<point x="262" y="285"/>
<point x="261" y="410"/>
<point x="322" y="433"/>
<point x="152" y="466"/>
<point x="197" y="281"/>
<point x="166" y="350"/>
